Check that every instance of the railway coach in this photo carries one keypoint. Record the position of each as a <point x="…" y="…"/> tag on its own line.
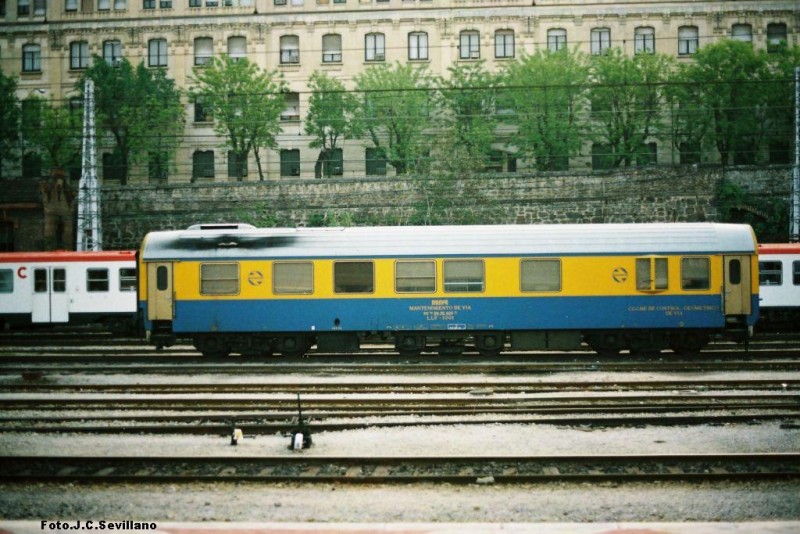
<point x="639" y="287"/>
<point x="779" y="279"/>
<point x="68" y="288"/>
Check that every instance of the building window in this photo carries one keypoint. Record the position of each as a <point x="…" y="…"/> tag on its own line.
<point x="112" y="53"/>
<point x="556" y="39"/>
<point x="375" y="162"/>
<point x="149" y="4"/>
<point x="202" y="164"/>
<point x="157" y="53"/>
<point x="69" y="5"/>
<point x="237" y="47"/>
<point x="31" y="58"/>
<point x="415" y="276"/>
<point x="463" y="276"/>
<point x="292" y="278"/>
<point x="219" y="278"/>
<point x="290" y="162"/>
<point x="237" y="165"/>
<point x="469" y="45"/>
<point x="96" y="280"/>
<point x="742" y="32"/>
<point x="195" y="3"/>
<point x="417" y="46"/>
<point x="353" y="277"/>
<point x="165" y="4"/>
<point x="78" y="55"/>
<point x="776" y="37"/>
<point x="291" y="111"/>
<point x="332" y="48"/>
<point x="103" y="5"/>
<point x="201" y="113"/>
<point x="203" y="50"/>
<point x="644" y="40"/>
<point x="375" y="47"/>
<point x="157" y="168"/>
<point x="600" y="40"/>
<point x="290" y="49"/>
<point x="504" y="44"/>
<point x="331" y="164"/>
<point x="23" y="8"/>
<point x="120" y="4"/>
<point x="688" y="40"/>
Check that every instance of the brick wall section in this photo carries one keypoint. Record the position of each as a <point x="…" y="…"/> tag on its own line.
<point x="674" y="194"/>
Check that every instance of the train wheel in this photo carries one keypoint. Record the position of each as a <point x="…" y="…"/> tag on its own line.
<point x="409" y="345"/>
<point x="606" y="343"/>
<point x="293" y="346"/>
<point x="490" y="345"/>
<point x="211" y="347"/>
<point x="687" y="343"/>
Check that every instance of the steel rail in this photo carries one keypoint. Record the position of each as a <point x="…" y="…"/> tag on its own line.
<point x="395" y="470"/>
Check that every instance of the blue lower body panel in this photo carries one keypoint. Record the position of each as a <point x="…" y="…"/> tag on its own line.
<point x="481" y="313"/>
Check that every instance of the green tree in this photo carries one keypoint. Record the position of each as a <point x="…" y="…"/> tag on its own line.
<point x="627" y="95"/>
<point x="331" y="111"/>
<point x="779" y="93"/>
<point x="245" y="101"/>
<point x="139" y="107"/>
<point x="395" y="112"/>
<point x="546" y="92"/>
<point x="56" y="134"/>
<point x="10" y="115"/>
<point x="467" y="102"/>
<point x="729" y="77"/>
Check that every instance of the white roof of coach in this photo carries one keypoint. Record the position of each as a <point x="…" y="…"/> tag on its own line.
<point x="440" y="241"/>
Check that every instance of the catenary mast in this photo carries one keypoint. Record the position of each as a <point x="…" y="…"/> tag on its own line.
<point x="90" y="235"/>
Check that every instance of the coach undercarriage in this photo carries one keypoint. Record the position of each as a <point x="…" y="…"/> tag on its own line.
<point x="487" y="344"/>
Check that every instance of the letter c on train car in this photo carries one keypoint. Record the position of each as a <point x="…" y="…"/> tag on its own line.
<point x="21" y="272"/>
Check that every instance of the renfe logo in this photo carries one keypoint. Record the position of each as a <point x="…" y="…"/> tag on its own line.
<point x="21" y="272"/>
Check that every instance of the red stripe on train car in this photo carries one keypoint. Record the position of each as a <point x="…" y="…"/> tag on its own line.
<point x="779" y="248"/>
<point x="67" y="256"/>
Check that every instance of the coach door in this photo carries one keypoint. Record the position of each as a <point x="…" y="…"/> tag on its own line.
<point x="737" y="285"/>
<point x="50" y="300"/>
<point x="159" y="291"/>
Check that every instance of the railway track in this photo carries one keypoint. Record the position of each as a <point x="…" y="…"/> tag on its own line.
<point x="393" y="470"/>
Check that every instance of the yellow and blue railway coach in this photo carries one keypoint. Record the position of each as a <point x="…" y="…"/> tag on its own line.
<point x="638" y="287"/>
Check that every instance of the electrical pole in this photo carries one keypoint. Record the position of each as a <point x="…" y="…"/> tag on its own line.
<point x="794" y="215"/>
<point x="90" y="235"/>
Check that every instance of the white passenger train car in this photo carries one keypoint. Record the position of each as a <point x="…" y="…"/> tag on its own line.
<point x="68" y="288"/>
<point x="779" y="281"/>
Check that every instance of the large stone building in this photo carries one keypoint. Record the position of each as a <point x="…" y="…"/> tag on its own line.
<point x="48" y="45"/>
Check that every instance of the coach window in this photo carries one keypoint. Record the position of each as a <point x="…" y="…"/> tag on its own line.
<point x="463" y="276"/>
<point x="770" y="273"/>
<point x="59" y="280"/>
<point x="796" y="273"/>
<point x="353" y="277"/>
<point x="415" y="276"/>
<point x="162" y="278"/>
<point x="127" y="279"/>
<point x="96" y="280"/>
<point x="40" y="280"/>
<point x="6" y="281"/>
<point x="219" y="278"/>
<point x="695" y="274"/>
<point x="293" y="278"/>
<point x="651" y="274"/>
<point x="540" y="275"/>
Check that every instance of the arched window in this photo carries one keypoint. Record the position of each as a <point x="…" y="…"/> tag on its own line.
<point x="504" y="44"/>
<point x="112" y="52"/>
<point x="332" y="48"/>
<point x="237" y="47"/>
<point x="157" y="53"/>
<point x="469" y="45"/>
<point x="31" y="58"/>
<point x="290" y="49"/>
<point x="417" y="46"/>
<point x="375" y="47"/>
<point x="203" y="50"/>
<point x="556" y="39"/>
<point x="688" y="40"/>
<point x="600" y="40"/>
<point x="776" y="36"/>
<point x="742" y="32"/>
<point x="644" y="40"/>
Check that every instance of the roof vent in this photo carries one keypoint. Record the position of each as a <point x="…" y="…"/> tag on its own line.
<point x="222" y="226"/>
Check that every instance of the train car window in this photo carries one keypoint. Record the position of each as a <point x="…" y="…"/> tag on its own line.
<point x="415" y="276"/>
<point x="96" y="280"/>
<point x="59" y="280"/>
<point x="463" y="276"/>
<point x="540" y="275"/>
<point x="652" y="274"/>
<point x="162" y="278"/>
<point x="770" y="273"/>
<point x="735" y="272"/>
<point x="219" y="278"/>
<point x="695" y="274"/>
<point x="293" y="278"/>
<point x="40" y="280"/>
<point x="796" y="273"/>
<point x="6" y="281"/>
<point x="353" y="277"/>
<point x="127" y="279"/>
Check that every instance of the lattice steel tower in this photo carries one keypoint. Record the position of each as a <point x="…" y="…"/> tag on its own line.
<point x="90" y="234"/>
